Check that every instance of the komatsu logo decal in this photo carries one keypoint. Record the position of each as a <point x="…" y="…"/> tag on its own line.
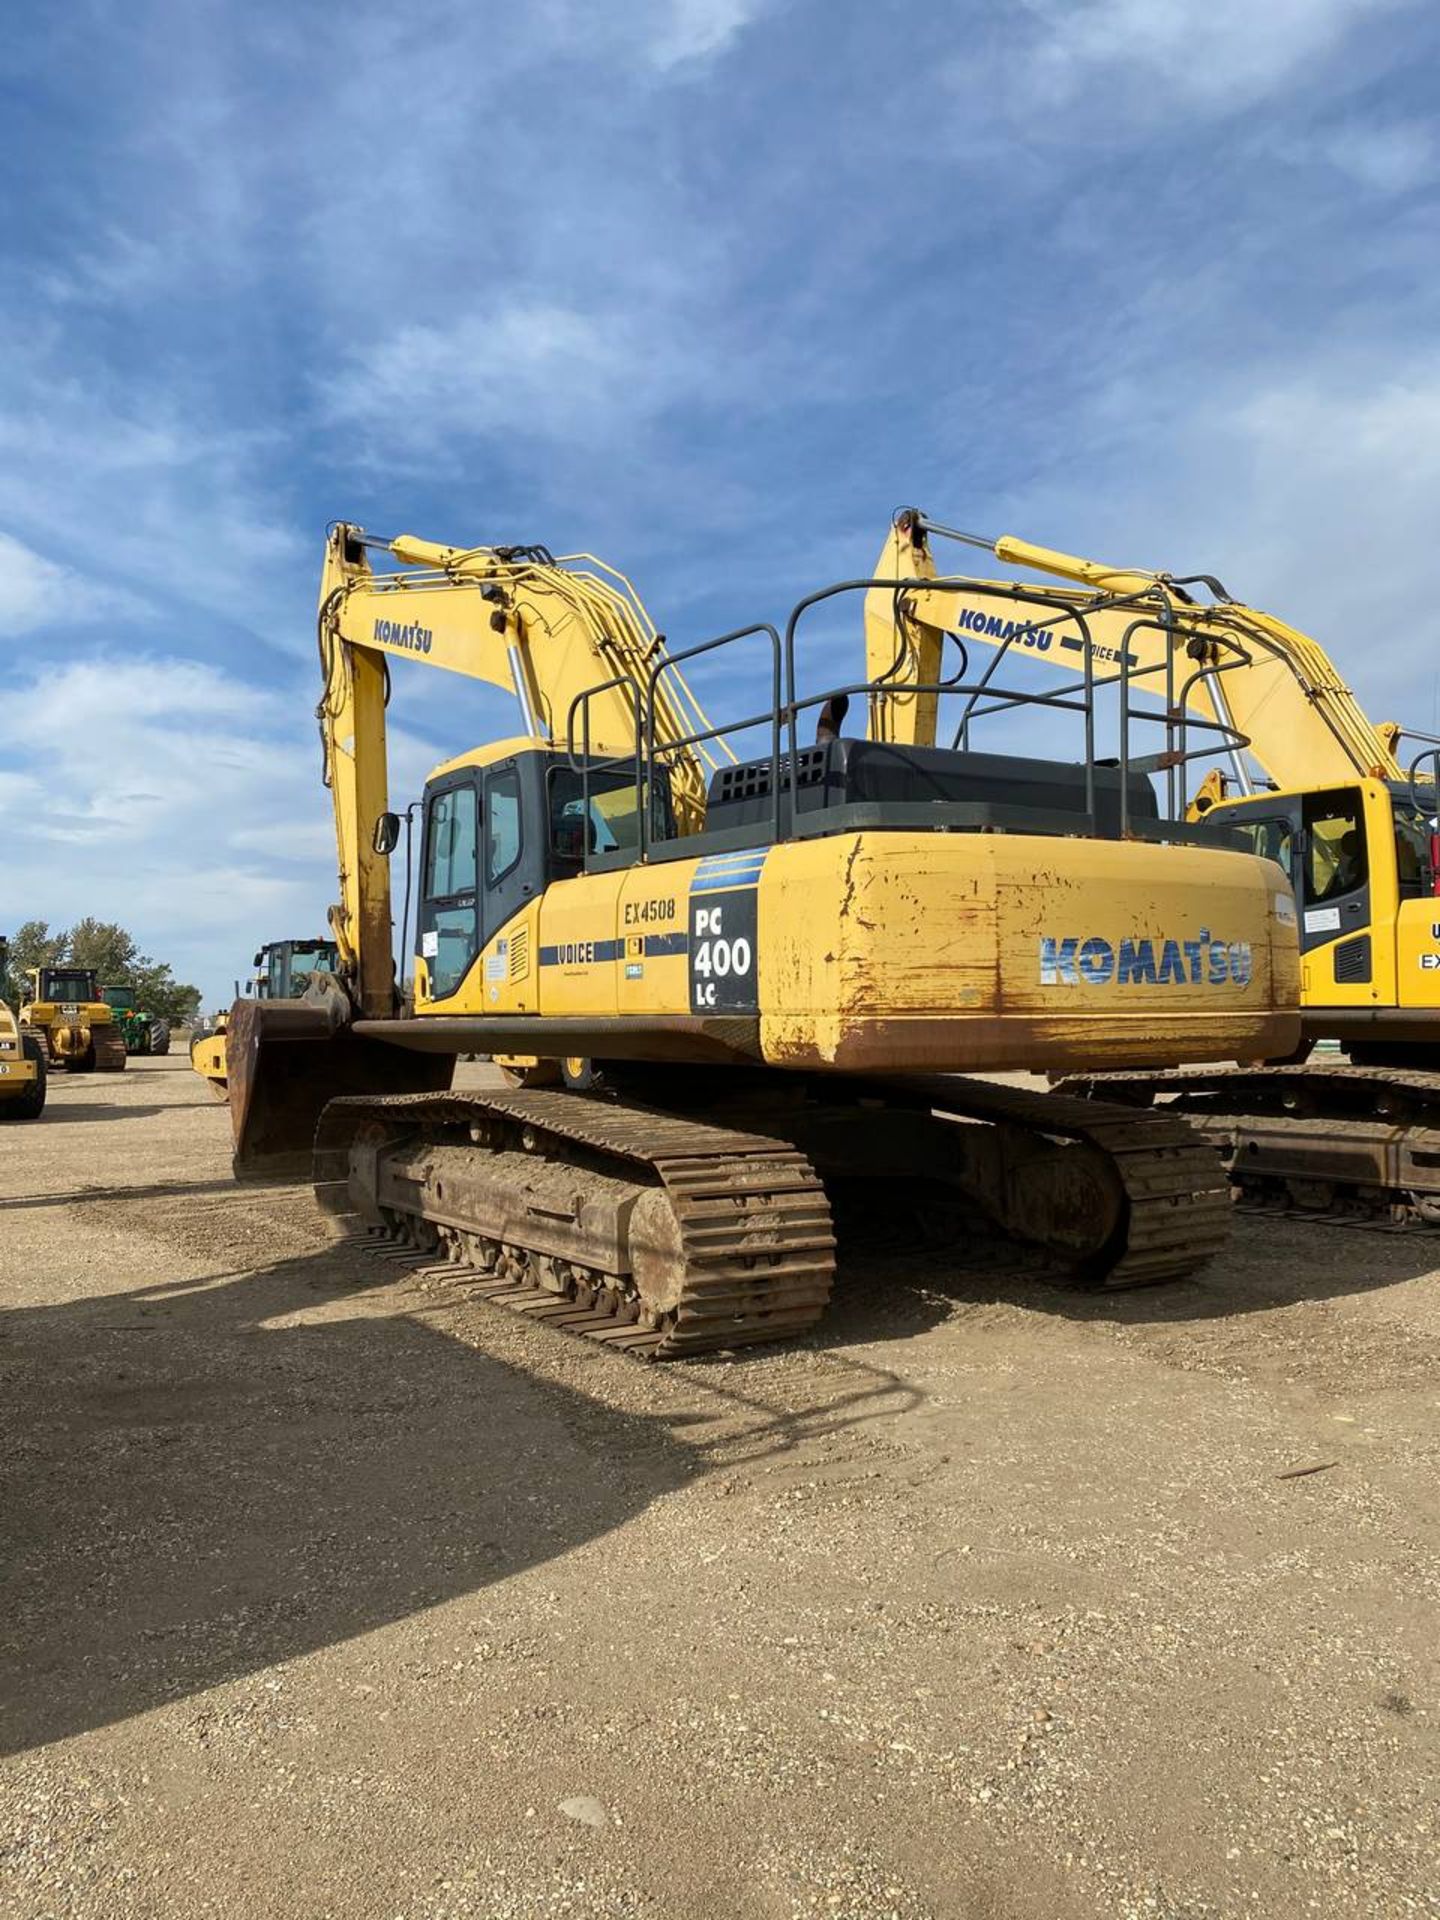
<point x="414" y="638"/>
<point x="1039" y="639"/>
<point x="1203" y="961"/>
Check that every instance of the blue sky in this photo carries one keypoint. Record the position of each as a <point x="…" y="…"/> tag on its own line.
<point x="707" y="287"/>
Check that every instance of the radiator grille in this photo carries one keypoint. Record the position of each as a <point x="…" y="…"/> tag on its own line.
<point x="1352" y="961"/>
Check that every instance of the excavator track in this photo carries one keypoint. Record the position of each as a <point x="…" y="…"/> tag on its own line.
<point x="1349" y="1145"/>
<point x="665" y="1235"/>
<point x="1168" y="1201"/>
<point x="734" y="1244"/>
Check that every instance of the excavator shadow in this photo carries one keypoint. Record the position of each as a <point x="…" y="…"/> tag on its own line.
<point x="205" y="1479"/>
<point x="60" y="1109"/>
<point x="1269" y="1263"/>
<point x="897" y="1285"/>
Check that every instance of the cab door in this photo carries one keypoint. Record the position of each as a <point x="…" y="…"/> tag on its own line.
<point x="448" y="922"/>
<point x="1344" y="964"/>
<point x="511" y="852"/>
<point x="1325" y="843"/>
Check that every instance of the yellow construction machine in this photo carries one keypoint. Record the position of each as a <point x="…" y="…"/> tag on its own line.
<point x="1330" y="797"/>
<point x="766" y="971"/>
<point x="283" y="970"/>
<point x="74" y="1025"/>
<point x="22" y="1064"/>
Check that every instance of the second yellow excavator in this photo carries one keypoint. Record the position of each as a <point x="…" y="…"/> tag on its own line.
<point x="763" y="974"/>
<point x="1329" y="799"/>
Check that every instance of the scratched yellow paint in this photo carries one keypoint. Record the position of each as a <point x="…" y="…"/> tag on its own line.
<point x="924" y="950"/>
<point x="939" y="939"/>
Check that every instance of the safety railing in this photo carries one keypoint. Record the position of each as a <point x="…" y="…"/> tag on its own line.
<point x="1188" y="735"/>
<point x="587" y="763"/>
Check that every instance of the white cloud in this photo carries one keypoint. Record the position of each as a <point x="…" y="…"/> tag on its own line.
<point x="1309" y="490"/>
<point x="172" y="503"/>
<point x="668" y="35"/>
<point x="691" y="30"/>
<point x="1390" y="158"/>
<point x="1221" y="55"/>
<point x="178" y="800"/>
<point x="37" y="593"/>
<point x="532" y="368"/>
<point x="18" y="791"/>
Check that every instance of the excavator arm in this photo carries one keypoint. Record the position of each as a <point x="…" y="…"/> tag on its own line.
<point x="1221" y="662"/>
<point x="569" y="638"/>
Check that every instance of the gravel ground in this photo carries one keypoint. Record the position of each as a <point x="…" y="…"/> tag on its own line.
<point x="329" y="1593"/>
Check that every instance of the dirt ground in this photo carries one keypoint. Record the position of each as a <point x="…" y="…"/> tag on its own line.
<point x="330" y="1593"/>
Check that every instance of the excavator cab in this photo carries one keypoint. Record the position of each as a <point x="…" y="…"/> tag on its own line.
<point x="499" y="826"/>
<point x="503" y="825"/>
<point x="1360" y="858"/>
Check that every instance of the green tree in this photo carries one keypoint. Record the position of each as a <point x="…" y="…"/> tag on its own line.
<point x="106" y="947"/>
<point x="31" y="945"/>
<point x="159" y="992"/>
<point x="116" y="958"/>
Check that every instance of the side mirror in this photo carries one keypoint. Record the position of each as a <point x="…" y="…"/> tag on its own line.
<point x="387" y="834"/>
<point x="256" y="959"/>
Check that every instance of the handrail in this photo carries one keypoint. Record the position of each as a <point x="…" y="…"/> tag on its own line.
<point x="981" y="697"/>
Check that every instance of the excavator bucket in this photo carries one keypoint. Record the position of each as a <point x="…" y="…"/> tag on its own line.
<point x="286" y="1060"/>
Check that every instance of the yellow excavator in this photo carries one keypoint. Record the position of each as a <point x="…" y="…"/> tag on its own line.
<point x="1335" y="802"/>
<point x="22" y="1063"/>
<point x="74" y="1025"/>
<point x="761" y="976"/>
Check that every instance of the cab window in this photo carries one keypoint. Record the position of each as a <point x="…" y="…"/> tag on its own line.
<point x="1412" y="852"/>
<point x="502" y="824"/>
<point x="55" y="985"/>
<point x="599" y="815"/>
<point x="1270" y="839"/>
<point x="1335" y="846"/>
<point x="451" y="867"/>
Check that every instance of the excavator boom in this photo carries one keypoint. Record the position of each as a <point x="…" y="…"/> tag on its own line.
<point x="569" y="638"/>
<point x="1236" y="670"/>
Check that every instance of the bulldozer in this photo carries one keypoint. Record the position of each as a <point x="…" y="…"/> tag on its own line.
<point x="770" y="972"/>
<point x="22" y="1063"/>
<point x="1304" y="777"/>
<point x="74" y="1025"/>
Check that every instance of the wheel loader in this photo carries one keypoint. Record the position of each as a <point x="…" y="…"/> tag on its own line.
<point x="73" y="1023"/>
<point x="283" y="971"/>
<point x="784" y="959"/>
<point x="22" y="1064"/>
